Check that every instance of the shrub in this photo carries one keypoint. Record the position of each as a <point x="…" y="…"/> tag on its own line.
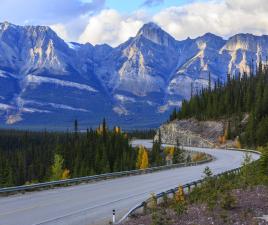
<point x="228" y="201"/>
<point x="179" y="202"/>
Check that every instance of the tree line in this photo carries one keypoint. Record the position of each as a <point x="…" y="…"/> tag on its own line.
<point x="29" y="157"/>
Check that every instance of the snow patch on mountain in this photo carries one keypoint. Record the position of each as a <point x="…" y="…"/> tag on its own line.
<point x="73" y="45"/>
<point x="33" y="110"/>
<point x="54" y="105"/>
<point x="169" y="105"/>
<point x="150" y="103"/>
<point x="5" y="107"/>
<point x="123" y="98"/>
<point x="2" y="75"/>
<point x="121" y="110"/>
<point x="185" y="86"/>
<point x="37" y="80"/>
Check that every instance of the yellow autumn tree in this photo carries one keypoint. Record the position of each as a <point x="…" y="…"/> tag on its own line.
<point x="139" y="158"/>
<point x="169" y="151"/>
<point x="179" y="196"/>
<point x="65" y="174"/>
<point x="117" y="130"/>
<point x="222" y="139"/>
<point x="145" y="160"/>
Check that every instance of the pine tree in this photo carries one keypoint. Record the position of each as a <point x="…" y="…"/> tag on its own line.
<point x="76" y="126"/>
<point x="57" y="167"/>
<point x="156" y="158"/>
<point x="179" y="156"/>
<point x="209" y="81"/>
<point x="264" y="162"/>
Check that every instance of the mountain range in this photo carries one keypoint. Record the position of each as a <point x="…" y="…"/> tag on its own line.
<point x="46" y="82"/>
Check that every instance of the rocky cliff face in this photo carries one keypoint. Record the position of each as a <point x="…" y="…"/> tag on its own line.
<point x="44" y="80"/>
<point x="191" y="132"/>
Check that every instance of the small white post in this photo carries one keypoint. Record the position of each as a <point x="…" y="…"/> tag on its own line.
<point x="113" y="216"/>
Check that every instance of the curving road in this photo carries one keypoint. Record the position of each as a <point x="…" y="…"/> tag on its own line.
<point x="89" y="204"/>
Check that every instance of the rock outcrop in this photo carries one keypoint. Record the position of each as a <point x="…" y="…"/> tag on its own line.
<point x="191" y="132"/>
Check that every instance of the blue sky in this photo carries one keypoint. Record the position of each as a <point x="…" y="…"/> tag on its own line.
<point x="114" y="21"/>
<point x="133" y="5"/>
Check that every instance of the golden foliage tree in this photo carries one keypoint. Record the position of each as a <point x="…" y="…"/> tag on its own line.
<point x="117" y="130"/>
<point x="179" y="196"/>
<point x="145" y="160"/>
<point x="139" y="158"/>
<point x="170" y="151"/>
<point x="65" y="174"/>
<point x="222" y="139"/>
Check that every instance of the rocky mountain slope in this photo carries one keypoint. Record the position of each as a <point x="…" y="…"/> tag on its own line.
<point x="45" y="81"/>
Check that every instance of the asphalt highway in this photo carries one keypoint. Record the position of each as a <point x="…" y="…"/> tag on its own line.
<point x="90" y="204"/>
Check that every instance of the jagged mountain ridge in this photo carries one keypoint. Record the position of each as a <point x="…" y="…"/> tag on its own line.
<point x="44" y="80"/>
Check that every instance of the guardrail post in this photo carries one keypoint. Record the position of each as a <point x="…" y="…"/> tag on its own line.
<point x="145" y="207"/>
<point x="189" y="188"/>
<point x="173" y="193"/>
<point x="113" y="216"/>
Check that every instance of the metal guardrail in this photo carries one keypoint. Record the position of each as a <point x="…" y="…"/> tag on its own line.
<point x="10" y="190"/>
<point x="187" y="186"/>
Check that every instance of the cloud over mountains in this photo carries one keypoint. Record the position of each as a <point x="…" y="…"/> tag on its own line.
<point x="93" y="21"/>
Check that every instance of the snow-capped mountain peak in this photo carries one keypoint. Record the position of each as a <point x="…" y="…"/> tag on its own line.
<point x="156" y="34"/>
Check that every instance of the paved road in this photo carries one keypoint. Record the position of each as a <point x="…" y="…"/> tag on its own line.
<point x="89" y="204"/>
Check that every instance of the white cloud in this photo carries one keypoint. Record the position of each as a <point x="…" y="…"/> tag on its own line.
<point x="60" y="29"/>
<point x="71" y="30"/>
<point x="252" y="5"/>
<point x="224" y="18"/>
<point x="111" y="27"/>
<point x="90" y="21"/>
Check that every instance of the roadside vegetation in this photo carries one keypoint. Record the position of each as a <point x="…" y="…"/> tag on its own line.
<point x="231" y="199"/>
